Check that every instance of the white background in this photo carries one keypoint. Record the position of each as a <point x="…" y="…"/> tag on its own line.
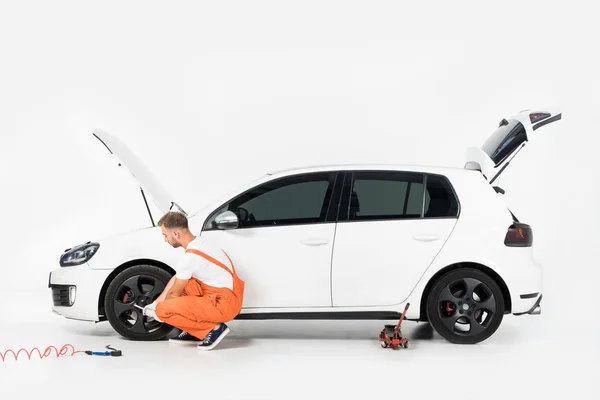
<point x="200" y="89"/>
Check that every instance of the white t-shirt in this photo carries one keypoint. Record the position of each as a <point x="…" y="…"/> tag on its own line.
<point x="194" y="265"/>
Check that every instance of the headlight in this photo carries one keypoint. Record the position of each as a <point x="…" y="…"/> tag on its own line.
<point x="79" y="254"/>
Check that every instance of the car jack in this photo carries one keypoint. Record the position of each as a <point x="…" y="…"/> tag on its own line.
<point x="391" y="335"/>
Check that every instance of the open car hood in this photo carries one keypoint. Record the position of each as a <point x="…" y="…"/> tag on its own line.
<point x="507" y="140"/>
<point x="148" y="182"/>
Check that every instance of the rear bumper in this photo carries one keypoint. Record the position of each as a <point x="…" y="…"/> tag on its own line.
<point x="523" y="276"/>
<point x="535" y="309"/>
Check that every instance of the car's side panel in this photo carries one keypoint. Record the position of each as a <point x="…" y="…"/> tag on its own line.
<point x="377" y="263"/>
<point x="287" y="266"/>
<point x="389" y="232"/>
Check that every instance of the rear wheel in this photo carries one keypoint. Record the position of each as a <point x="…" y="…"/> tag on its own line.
<point x="465" y="306"/>
<point x="141" y="285"/>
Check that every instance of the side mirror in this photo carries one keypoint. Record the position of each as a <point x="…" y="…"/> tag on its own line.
<point x="227" y="220"/>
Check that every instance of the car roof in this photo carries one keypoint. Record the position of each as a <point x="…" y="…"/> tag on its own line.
<point x="364" y="166"/>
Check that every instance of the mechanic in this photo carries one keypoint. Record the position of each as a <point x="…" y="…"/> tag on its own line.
<point x="203" y="294"/>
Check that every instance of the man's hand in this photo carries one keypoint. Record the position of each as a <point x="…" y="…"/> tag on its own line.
<point x="150" y="311"/>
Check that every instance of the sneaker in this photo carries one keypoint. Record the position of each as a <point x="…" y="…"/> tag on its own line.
<point x="185" y="337"/>
<point x="214" y="337"/>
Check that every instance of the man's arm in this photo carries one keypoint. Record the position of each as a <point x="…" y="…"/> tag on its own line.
<point x="163" y="295"/>
<point x="182" y="276"/>
<point x="177" y="287"/>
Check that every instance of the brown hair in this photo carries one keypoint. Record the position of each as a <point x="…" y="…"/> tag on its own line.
<point x="173" y="219"/>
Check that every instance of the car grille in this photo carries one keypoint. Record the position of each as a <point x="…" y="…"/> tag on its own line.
<point x="60" y="295"/>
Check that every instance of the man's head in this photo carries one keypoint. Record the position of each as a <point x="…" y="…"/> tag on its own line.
<point x="175" y="229"/>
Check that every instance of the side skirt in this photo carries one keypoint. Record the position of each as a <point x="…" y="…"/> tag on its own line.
<point x="325" y="315"/>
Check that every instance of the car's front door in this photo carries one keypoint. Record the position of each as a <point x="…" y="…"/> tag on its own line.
<point x="282" y="247"/>
<point x="389" y="231"/>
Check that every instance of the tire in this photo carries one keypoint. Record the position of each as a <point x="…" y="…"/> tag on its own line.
<point x="140" y="284"/>
<point x="451" y="301"/>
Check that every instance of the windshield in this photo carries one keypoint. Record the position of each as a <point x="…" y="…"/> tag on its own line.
<point x="509" y="135"/>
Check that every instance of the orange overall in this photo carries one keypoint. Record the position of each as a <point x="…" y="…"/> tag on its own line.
<point x="202" y="306"/>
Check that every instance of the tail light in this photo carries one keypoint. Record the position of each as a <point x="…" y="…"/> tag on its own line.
<point x="519" y="235"/>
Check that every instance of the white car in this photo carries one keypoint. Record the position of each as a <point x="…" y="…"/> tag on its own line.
<point x="334" y="242"/>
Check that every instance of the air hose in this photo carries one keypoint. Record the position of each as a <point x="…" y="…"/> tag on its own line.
<point x="61" y="352"/>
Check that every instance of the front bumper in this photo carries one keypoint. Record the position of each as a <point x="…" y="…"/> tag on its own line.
<point x="76" y="291"/>
<point x="63" y="295"/>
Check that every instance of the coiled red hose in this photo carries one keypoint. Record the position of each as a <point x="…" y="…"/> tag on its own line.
<point x="59" y="352"/>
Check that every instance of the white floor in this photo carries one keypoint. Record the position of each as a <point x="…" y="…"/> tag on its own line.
<point x="528" y="357"/>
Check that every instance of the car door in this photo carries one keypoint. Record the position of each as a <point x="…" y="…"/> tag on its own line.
<point x="283" y="244"/>
<point x="391" y="226"/>
<point x="505" y="142"/>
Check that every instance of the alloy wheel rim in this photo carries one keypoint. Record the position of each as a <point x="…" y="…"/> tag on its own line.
<point x="466" y="306"/>
<point x="137" y="290"/>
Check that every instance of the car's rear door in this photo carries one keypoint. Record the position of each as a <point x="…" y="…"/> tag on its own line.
<point x="507" y="140"/>
<point x="391" y="226"/>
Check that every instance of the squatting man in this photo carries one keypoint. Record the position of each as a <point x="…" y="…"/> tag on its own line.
<point x="205" y="291"/>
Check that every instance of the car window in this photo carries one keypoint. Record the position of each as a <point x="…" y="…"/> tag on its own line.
<point x="298" y="199"/>
<point x="505" y="139"/>
<point x="379" y="195"/>
<point x="440" y="200"/>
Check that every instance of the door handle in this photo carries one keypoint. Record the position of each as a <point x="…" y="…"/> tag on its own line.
<point x="426" y="238"/>
<point x="314" y="241"/>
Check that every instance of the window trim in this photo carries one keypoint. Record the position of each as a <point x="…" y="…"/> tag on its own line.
<point x="344" y="207"/>
<point x="425" y="176"/>
<point x="330" y="216"/>
<point x="348" y="185"/>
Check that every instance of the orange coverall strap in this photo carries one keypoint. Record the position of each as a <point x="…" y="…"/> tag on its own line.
<point x="213" y="260"/>
<point x="238" y="284"/>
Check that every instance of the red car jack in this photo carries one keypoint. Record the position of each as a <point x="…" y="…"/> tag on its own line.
<point x="391" y="336"/>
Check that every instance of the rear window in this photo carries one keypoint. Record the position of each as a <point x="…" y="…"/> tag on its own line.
<point x="504" y="140"/>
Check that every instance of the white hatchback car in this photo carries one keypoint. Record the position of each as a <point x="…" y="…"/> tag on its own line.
<point x="334" y="242"/>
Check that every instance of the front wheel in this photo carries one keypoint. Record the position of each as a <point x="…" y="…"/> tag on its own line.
<point x="465" y="306"/>
<point x="141" y="285"/>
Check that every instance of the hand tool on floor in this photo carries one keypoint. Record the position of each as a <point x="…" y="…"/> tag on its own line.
<point x="391" y="336"/>
<point x="113" y="353"/>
